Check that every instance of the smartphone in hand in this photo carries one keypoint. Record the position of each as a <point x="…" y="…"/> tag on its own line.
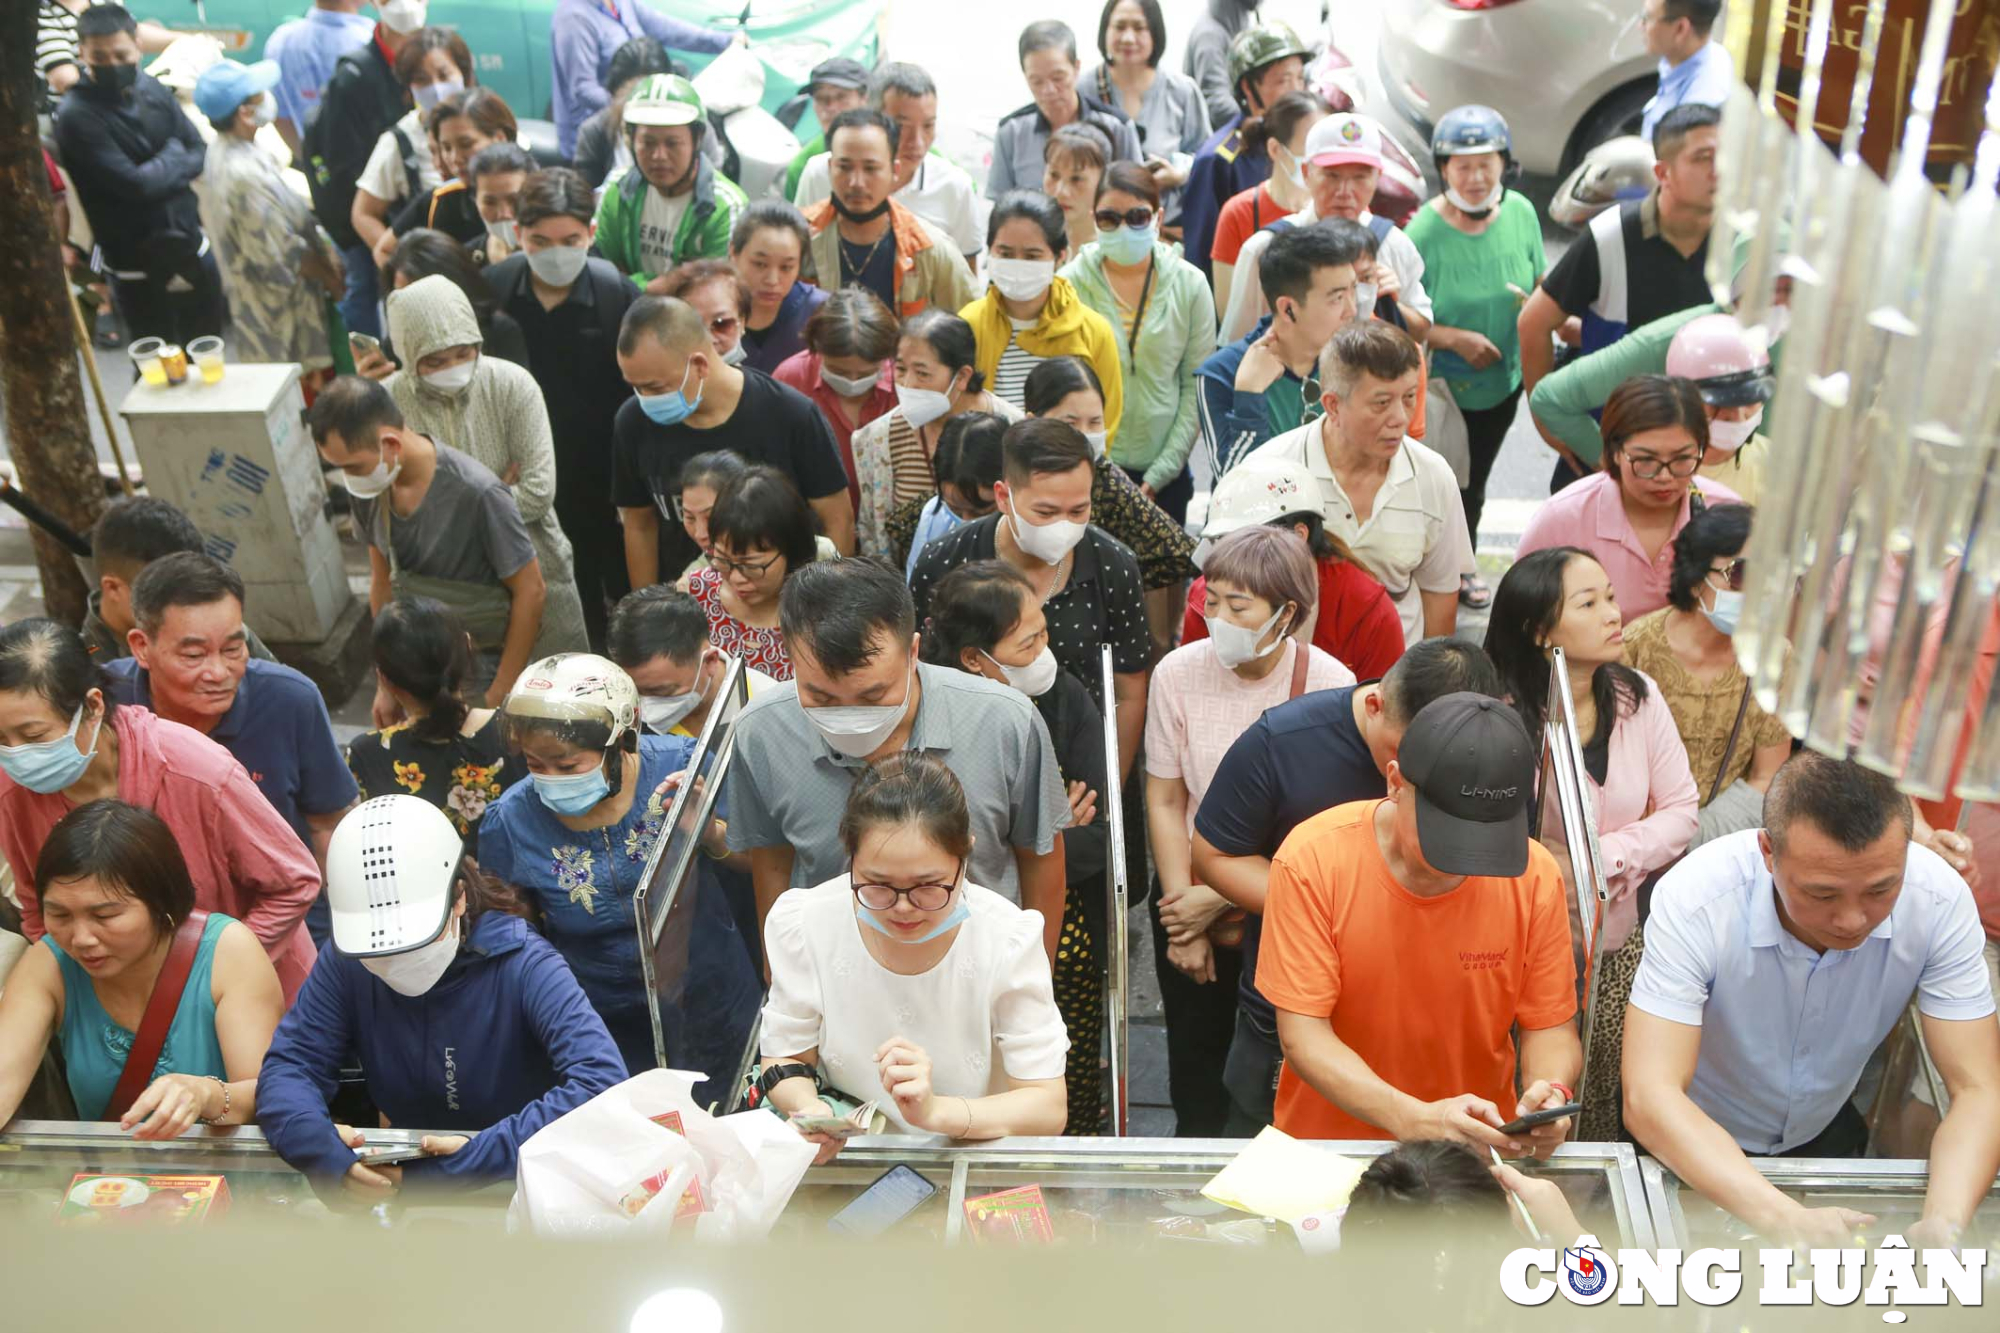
<point x="1535" y="1118"/>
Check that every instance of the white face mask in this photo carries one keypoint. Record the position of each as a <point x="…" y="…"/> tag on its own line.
<point x="859" y="730"/>
<point x="505" y="232"/>
<point x="848" y="388"/>
<point x="404" y="15"/>
<point x="265" y="111"/>
<point x="664" y="712"/>
<point x="453" y="379"/>
<point x="1480" y="209"/>
<point x="1235" y="645"/>
<point x="920" y="407"/>
<point x="1364" y="299"/>
<point x="372" y="485"/>
<point x="1097" y="442"/>
<point x="1034" y="679"/>
<point x="559" y="265"/>
<point x="1021" y="279"/>
<point x="1047" y="542"/>
<point x="1295" y="171"/>
<point x="1729" y="436"/>
<point x="415" y="972"/>
<point x="736" y="355"/>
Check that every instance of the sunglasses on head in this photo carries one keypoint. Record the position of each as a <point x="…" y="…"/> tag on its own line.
<point x="1110" y="219"/>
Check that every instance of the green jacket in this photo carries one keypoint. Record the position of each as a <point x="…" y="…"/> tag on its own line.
<point x="1564" y="400"/>
<point x="1176" y="331"/>
<point x="704" y="228"/>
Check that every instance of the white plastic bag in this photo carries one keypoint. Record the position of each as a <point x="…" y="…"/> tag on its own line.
<point x="611" y="1167"/>
<point x="731" y="81"/>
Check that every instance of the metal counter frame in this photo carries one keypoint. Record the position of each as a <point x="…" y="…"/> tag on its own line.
<point x="1903" y="1177"/>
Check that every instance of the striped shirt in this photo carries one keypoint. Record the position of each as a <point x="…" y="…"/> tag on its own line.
<point x="909" y="463"/>
<point x="55" y="44"/>
<point x="1010" y="378"/>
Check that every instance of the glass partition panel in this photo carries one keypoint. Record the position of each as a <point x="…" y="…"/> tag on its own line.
<point x="1565" y="825"/>
<point x="1117" y="992"/>
<point x="1891" y="1190"/>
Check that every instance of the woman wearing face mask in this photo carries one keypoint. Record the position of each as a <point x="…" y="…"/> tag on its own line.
<point x="937" y="379"/>
<point x="1641" y="790"/>
<point x="434" y="64"/>
<point x="1480" y="243"/>
<point x="463" y="1018"/>
<point x="1074" y="160"/>
<point x="768" y="247"/>
<point x="465" y="124"/>
<point x="1262" y="590"/>
<point x="492" y="410"/>
<point x="985" y="619"/>
<point x="444" y="751"/>
<point x="1066" y="389"/>
<point x="1732" y="372"/>
<point x="1164" y="321"/>
<point x="1028" y="313"/>
<point x="1685" y="649"/>
<point x="267" y="242"/>
<point x="904" y="983"/>
<point x="966" y="466"/>
<point x="1275" y="199"/>
<point x="760" y="532"/>
<point x="64" y="743"/>
<point x="573" y="841"/>
<point x="425" y="254"/>
<point x="847" y="367"/>
<point x="117" y="899"/>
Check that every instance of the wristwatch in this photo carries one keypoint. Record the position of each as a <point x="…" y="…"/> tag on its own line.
<point x="777" y="1074"/>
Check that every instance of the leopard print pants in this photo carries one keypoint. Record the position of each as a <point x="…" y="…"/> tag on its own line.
<point x="1079" y="985"/>
<point x="1603" y="1118"/>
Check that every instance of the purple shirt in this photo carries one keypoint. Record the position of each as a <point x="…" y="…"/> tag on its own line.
<point x="1589" y="514"/>
<point x="587" y="33"/>
<point x="306" y="49"/>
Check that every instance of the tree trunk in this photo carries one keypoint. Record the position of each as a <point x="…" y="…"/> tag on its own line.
<point x="48" y="427"/>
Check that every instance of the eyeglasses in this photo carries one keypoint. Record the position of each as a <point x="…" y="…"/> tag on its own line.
<point x="1646" y="467"/>
<point x="749" y="569"/>
<point x="723" y="324"/>
<point x="1110" y="219"/>
<point x="1734" y="574"/>
<point x="923" y="897"/>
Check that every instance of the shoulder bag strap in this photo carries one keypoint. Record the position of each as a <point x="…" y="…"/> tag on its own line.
<point x="1729" y="749"/>
<point x="1299" y="665"/>
<point x="160" y="1008"/>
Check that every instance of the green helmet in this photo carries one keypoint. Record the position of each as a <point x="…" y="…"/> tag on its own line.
<point x="1258" y="46"/>
<point x="663" y="99"/>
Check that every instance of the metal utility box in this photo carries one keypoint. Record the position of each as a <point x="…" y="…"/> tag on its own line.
<point x="235" y="455"/>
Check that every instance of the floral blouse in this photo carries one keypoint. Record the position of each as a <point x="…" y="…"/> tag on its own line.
<point x="760" y="648"/>
<point x="1704" y="710"/>
<point x="461" y="776"/>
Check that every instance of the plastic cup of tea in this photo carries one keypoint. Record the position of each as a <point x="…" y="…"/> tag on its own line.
<point x="206" y="353"/>
<point x="175" y="362"/>
<point x="145" y="356"/>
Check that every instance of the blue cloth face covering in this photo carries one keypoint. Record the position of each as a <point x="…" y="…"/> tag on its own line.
<point x="957" y="916"/>
<point x="574" y="794"/>
<point x="670" y="409"/>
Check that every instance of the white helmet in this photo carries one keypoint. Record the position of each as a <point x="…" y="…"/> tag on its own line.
<point x="1615" y="170"/>
<point x="575" y="688"/>
<point x="1255" y="491"/>
<point x="391" y="876"/>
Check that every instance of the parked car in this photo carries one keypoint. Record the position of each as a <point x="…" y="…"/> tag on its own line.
<point x="1567" y="74"/>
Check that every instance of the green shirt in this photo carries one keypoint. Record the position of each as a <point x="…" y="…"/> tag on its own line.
<point x="1566" y="401"/>
<point x="1467" y="279"/>
<point x="811" y="149"/>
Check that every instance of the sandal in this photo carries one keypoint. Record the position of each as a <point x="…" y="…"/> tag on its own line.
<point x="106" y="334"/>
<point x="1473" y="592"/>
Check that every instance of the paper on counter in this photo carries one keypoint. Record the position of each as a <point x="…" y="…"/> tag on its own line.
<point x="1280" y="1176"/>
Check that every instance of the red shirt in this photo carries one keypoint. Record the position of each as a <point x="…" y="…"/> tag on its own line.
<point x="1357" y="622"/>
<point x="801" y="371"/>
<point x="761" y="648"/>
<point x="1243" y="217"/>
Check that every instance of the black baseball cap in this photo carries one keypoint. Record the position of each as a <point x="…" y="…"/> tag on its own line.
<point x="839" y="72"/>
<point x="1472" y="763"/>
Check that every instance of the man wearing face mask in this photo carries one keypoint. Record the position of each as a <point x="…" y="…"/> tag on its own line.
<point x="689" y="401"/>
<point x="863" y="236"/>
<point x="134" y="156"/>
<point x="1089" y="582"/>
<point x="671" y="205"/>
<point x="860" y="693"/>
<point x="464" y="1018"/>
<point x="659" y="636"/>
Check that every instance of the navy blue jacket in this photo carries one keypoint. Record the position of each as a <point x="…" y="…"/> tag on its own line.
<point x="1221" y="171"/>
<point x="1234" y="422"/>
<point x="503" y="1044"/>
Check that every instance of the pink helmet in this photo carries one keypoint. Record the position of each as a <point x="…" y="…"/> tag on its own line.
<point x="1730" y="368"/>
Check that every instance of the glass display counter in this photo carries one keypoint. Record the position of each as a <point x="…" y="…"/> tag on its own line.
<point x="1891" y="1191"/>
<point x="1096" y="1189"/>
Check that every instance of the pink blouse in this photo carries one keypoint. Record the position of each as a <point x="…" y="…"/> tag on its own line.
<point x="245" y="860"/>
<point x="1645" y="811"/>
<point x="763" y="649"/>
<point x="801" y="371"/>
<point x="1590" y="514"/>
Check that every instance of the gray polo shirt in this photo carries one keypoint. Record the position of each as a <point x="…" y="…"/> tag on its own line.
<point x="788" y="786"/>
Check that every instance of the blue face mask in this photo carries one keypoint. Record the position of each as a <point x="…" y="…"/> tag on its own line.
<point x="574" y="794"/>
<point x="1728" y="609"/>
<point x="670" y="409"/>
<point x="1127" y="245"/>
<point x="955" y="917"/>
<point x="48" y="767"/>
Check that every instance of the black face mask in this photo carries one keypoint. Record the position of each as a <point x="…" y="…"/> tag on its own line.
<point x="852" y="216"/>
<point x="113" y="79"/>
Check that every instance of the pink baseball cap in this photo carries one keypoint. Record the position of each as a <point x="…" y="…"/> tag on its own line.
<point x="1345" y="139"/>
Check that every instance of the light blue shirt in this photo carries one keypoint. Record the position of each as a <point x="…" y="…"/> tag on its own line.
<point x="306" y="49"/>
<point x="1785" y="1030"/>
<point x="934" y="522"/>
<point x="1705" y="78"/>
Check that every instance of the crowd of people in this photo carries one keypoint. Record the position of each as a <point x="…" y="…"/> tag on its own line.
<point x="920" y="461"/>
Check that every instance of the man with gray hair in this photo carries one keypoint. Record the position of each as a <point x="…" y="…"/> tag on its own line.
<point x="1392" y="500"/>
<point x="1049" y="64"/>
<point x="927" y="182"/>
<point x="686" y="401"/>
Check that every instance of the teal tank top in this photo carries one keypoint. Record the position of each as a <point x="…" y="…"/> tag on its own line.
<point x="94" y="1047"/>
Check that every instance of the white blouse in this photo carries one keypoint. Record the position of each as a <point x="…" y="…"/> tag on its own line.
<point x="986" y="1009"/>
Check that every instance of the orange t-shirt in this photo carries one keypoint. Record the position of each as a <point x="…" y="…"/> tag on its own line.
<point x="1242" y="217"/>
<point x="1425" y="990"/>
